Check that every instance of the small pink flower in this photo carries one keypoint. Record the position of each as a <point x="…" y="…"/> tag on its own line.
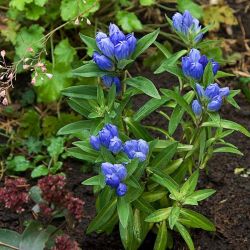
<point x="3" y="53"/>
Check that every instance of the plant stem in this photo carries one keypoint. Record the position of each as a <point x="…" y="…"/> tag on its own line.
<point x="7" y="245"/>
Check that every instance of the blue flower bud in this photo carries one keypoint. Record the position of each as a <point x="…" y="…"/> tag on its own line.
<point x="112" y="180"/>
<point x="103" y="62"/>
<point x="106" y="47"/>
<point x="121" y="189"/>
<point x="108" y="168"/>
<point x="130" y="38"/>
<point x="215" y="104"/>
<point x="115" y="145"/>
<point x="199" y="90"/>
<point x="186" y="64"/>
<point x="122" y="50"/>
<point x="196" y="70"/>
<point x="216" y="66"/>
<point x="204" y="61"/>
<point x="141" y="156"/>
<point x="177" y="21"/>
<point x="198" y="37"/>
<point x="121" y="171"/>
<point x="105" y="137"/>
<point x="95" y="142"/>
<point x="130" y="147"/>
<point x="212" y="90"/>
<point x="196" y="107"/>
<point x="112" y="129"/>
<point x="224" y="91"/>
<point x="194" y="55"/>
<point x="110" y="80"/>
<point x="143" y="146"/>
<point x="187" y="22"/>
<point x="117" y="83"/>
<point x="115" y="34"/>
<point x="100" y="36"/>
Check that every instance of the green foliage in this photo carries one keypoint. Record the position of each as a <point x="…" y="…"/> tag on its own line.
<point x="128" y="21"/>
<point x="18" y="164"/>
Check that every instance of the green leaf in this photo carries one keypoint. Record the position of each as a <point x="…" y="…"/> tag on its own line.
<point x="199" y="196"/>
<point x="103" y="216"/>
<point x="159" y="215"/>
<point x="123" y="63"/>
<point x="10" y="238"/>
<point x="89" y="41"/>
<point x="128" y="21"/>
<point x="34" y="12"/>
<point x="190" y="184"/>
<point x="180" y="100"/>
<point x="143" y="205"/>
<point x="145" y="85"/>
<point x="161" y="239"/>
<point x="123" y="211"/>
<point x="35" y="236"/>
<point x="170" y="61"/>
<point x="131" y="167"/>
<point x="228" y="125"/>
<point x="75" y="127"/>
<point x="144" y="42"/>
<point x="222" y="74"/>
<point x="39" y="171"/>
<point x="90" y="69"/>
<point x="36" y="194"/>
<point x="163" y="158"/>
<point x="87" y="92"/>
<point x="71" y="9"/>
<point x="195" y="9"/>
<point x="185" y="235"/>
<point x="153" y="196"/>
<point x="148" y="108"/>
<point x="93" y="181"/>
<point x="227" y="150"/>
<point x="199" y="220"/>
<point x="19" y="4"/>
<point x="173" y="216"/>
<point x="178" y="113"/>
<point x="64" y="52"/>
<point x="18" y="164"/>
<point x="208" y="75"/>
<point x="81" y="155"/>
<point x="31" y="37"/>
<point x="147" y="2"/>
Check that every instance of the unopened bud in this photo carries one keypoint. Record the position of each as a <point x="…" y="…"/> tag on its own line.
<point x="88" y="22"/>
<point x="5" y="101"/>
<point x="49" y="75"/>
<point x="33" y="81"/>
<point x="43" y="69"/>
<point x="30" y="49"/>
<point x="77" y="21"/>
<point x="3" y="53"/>
<point x="25" y="66"/>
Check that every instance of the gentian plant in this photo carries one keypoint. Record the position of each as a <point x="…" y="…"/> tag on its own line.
<point x="146" y="182"/>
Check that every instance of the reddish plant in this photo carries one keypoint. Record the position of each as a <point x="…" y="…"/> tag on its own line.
<point x="14" y="194"/>
<point x="54" y="192"/>
<point x="64" y="242"/>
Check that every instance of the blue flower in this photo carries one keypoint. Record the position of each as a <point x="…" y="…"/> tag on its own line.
<point x="196" y="107"/>
<point x="194" y="64"/>
<point x="212" y="90"/>
<point x="103" y="62"/>
<point x="121" y="171"/>
<point x="136" y="149"/>
<point x="107" y="168"/>
<point x="187" y="25"/>
<point x="131" y="40"/>
<point x="106" y="47"/>
<point x="95" y="142"/>
<point x="215" y="104"/>
<point x="107" y="137"/>
<point x="115" y="145"/>
<point x="112" y="180"/>
<point x="110" y="80"/>
<point x="224" y="91"/>
<point x="99" y="36"/>
<point x="122" y="50"/>
<point x="121" y="189"/>
<point x="199" y="90"/>
<point x="115" y="34"/>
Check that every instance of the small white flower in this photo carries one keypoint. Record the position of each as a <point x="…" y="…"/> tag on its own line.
<point x="49" y="75"/>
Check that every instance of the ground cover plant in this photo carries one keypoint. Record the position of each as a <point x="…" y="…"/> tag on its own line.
<point x="145" y="176"/>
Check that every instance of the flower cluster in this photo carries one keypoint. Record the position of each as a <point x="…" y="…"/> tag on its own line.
<point x="107" y="137"/>
<point x="54" y="193"/>
<point x="136" y="149"/>
<point x="187" y="26"/>
<point x="194" y="64"/>
<point x="63" y="242"/>
<point x="14" y="194"/>
<point x="113" y="48"/>
<point x="211" y="98"/>
<point x="114" y="175"/>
